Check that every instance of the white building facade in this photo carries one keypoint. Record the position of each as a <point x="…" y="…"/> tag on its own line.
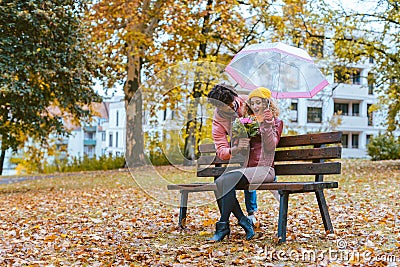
<point x="114" y="128"/>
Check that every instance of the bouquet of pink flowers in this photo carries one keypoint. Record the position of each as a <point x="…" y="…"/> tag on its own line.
<point x="245" y="127"/>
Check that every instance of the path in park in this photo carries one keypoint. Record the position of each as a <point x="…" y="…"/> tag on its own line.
<point x="17" y="179"/>
<point x="11" y="180"/>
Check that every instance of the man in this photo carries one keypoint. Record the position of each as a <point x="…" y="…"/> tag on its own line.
<point x="229" y="105"/>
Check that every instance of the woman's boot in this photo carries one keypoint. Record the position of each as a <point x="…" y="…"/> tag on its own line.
<point x="247" y="225"/>
<point x="222" y="229"/>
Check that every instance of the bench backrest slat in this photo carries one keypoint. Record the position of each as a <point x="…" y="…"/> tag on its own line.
<point x="311" y="139"/>
<point x="291" y="141"/>
<point x="213" y="172"/>
<point x="207" y="160"/>
<point x="308" y="168"/>
<point x="282" y="155"/>
<point x="207" y="148"/>
<point x="282" y="169"/>
<point x="308" y="154"/>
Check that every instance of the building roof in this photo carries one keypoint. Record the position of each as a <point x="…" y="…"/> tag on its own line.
<point x="99" y="110"/>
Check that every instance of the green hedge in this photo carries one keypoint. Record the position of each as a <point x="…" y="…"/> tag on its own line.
<point x="384" y="147"/>
<point x="103" y="162"/>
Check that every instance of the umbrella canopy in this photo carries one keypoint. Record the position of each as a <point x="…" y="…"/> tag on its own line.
<point x="289" y="72"/>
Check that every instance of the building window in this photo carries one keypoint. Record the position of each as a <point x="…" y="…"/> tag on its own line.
<point x="341" y="75"/>
<point x="371" y="83"/>
<point x="355" y="76"/>
<point x="293" y="112"/>
<point x="117" y="119"/>
<point x="116" y="139"/>
<point x="317" y="47"/>
<point x="103" y="136"/>
<point x="110" y="140"/>
<point x="144" y="117"/>
<point x="89" y="135"/>
<point x="165" y="114"/>
<point x="297" y="38"/>
<point x="354" y="140"/>
<point x="347" y="75"/>
<point x="341" y="109"/>
<point x="368" y="139"/>
<point x="371" y="60"/>
<point x="345" y="140"/>
<point x="314" y="114"/>
<point x="356" y="109"/>
<point x="369" y="115"/>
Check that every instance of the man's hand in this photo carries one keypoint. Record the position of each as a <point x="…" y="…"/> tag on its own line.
<point x="243" y="144"/>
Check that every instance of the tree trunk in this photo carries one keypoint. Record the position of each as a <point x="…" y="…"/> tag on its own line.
<point x="2" y="157"/>
<point x="134" y="155"/>
<point x="3" y="151"/>
<point x="191" y="126"/>
<point x="190" y="140"/>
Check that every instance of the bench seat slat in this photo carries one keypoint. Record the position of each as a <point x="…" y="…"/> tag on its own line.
<point x="292" y="186"/>
<point x="282" y="169"/>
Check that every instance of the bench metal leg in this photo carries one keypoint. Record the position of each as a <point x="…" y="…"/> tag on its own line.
<point x="323" y="208"/>
<point x="183" y="208"/>
<point x="283" y="212"/>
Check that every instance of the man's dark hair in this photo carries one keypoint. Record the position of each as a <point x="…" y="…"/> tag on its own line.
<point x="222" y="94"/>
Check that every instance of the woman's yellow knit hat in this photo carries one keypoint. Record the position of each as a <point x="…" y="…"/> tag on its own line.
<point x="260" y="92"/>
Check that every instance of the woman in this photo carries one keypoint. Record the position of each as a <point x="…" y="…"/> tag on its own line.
<point x="259" y="165"/>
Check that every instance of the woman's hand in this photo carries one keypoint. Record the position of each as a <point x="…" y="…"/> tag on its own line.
<point x="268" y="116"/>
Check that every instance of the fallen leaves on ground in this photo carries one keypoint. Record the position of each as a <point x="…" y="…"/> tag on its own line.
<point x="104" y="219"/>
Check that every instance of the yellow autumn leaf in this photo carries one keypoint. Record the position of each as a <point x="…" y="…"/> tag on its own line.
<point x="209" y="222"/>
<point x="203" y="233"/>
<point x="50" y="237"/>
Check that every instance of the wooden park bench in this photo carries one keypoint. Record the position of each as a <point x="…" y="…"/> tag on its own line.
<point x="297" y="155"/>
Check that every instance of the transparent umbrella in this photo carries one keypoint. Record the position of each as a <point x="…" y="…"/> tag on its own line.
<point x="289" y="72"/>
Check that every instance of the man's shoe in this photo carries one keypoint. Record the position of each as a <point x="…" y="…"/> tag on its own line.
<point x="256" y="224"/>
